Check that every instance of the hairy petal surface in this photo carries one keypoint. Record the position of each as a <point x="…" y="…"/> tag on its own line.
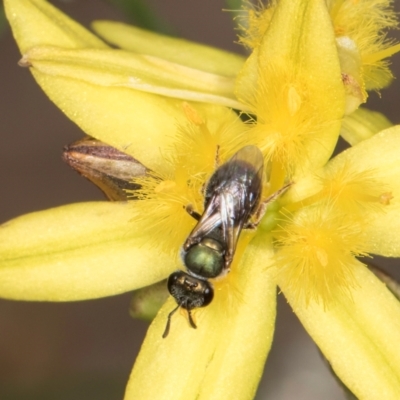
<point x="293" y="84"/>
<point x="379" y="156"/>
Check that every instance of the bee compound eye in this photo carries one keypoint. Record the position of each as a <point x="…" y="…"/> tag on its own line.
<point x="173" y="279"/>
<point x="208" y="294"/>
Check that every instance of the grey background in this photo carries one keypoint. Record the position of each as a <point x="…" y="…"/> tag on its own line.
<point x="85" y="350"/>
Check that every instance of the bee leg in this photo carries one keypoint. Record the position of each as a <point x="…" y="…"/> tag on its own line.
<point x="217" y="162"/>
<point x="252" y="225"/>
<point x="217" y="159"/>
<point x="278" y="193"/>
<point x="258" y="215"/>
<point x="189" y="209"/>
<point x="203" y="189"/>
<point x="228" y="258"/>
<point x="262" y="208"/>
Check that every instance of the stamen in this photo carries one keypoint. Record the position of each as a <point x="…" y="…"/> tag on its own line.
<point x="385" y="198"/>
<point x="380" y="55"/>
<point x="316" y="253"/>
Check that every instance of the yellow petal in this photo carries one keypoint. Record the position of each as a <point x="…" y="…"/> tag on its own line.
<point x="76" y="252"/>
<point x="36" y="22"/>
<point x="136" y="123"/>
<point x="379" y="157"/>
<point x="360" y="338"/>
<point x="179" y="51"/>
<point x="110" y="67"/>
<point x="114" y="115"/>
<point x="224" y="357"/>
<point x="363" y="124"/>
<point x="298" y="97"/>
<point x="247" y="79"/>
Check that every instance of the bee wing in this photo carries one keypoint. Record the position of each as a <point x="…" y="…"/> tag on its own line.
<point x="232" y="193"/>
<point x="239" y="184"/>
<point x="248" y="164"/>
<point x="250" y="154"/>
<point x="210" y="220"/>
<point x="244" y="168"/>
<point x="230" y="230"/>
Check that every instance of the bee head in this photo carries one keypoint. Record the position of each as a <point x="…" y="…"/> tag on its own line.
<point x="189" y="293"/>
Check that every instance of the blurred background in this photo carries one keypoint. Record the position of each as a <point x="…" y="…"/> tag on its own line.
<point x="85" y="350"/>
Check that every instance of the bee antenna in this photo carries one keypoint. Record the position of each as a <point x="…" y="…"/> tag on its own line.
<point x="192" y="324"/>
<point x="166" y="331"/>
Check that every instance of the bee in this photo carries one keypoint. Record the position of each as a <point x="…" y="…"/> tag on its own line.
<point x="232" y="196"/>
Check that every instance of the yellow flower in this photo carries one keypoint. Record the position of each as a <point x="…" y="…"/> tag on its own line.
<point x="306" y="243"/>
<point x="360" y="31"/>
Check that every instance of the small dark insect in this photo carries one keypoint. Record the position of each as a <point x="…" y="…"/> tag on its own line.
<point x="232" y="197"/>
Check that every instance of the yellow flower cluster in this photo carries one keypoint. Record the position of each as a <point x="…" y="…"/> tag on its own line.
<point x="171" y="108"/>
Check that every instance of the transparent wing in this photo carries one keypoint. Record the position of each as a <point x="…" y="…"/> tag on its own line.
<point x="232" y="194"/>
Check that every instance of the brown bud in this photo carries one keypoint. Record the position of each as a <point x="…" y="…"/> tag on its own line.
<point x="109" y="169"/>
